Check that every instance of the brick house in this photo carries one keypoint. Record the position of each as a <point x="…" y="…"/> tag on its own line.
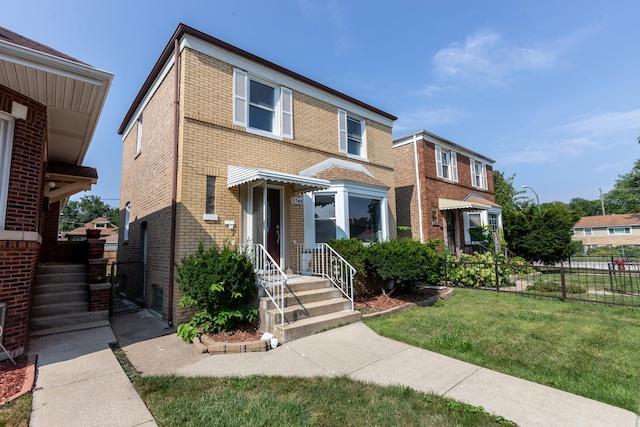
<point x="443" y="190"/>
<point x="221" y="145"/>
<point x="607" y="230"/>
<point x="49" y="107"/>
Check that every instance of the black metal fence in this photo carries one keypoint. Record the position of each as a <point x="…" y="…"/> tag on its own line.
<point x="127" y="286"/>
<point x="605" y="280"/>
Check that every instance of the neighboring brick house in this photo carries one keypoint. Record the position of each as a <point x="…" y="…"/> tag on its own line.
<point x="229" y="147"/>
<point x="443" y="190"/>
<point x="49" y="107"/>
<point x="607" y="230"/>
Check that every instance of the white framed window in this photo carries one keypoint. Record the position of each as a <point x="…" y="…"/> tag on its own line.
<point x="587" y="232"/>
<point x="365" y="218"/>
<point x="478" y="174"/>
<point x="619" y="230"/>
<point x="6" y="148"/>
<point x="351" y="134"/>
<point x="127" y="221"/>
<point x="210" y="200"/>
<point x="139" y="136"/>
<point x="324" y="206"/>
<point x="446" y="164"/>
<point x="261" y="106"/>
<point x="494" y="221"/>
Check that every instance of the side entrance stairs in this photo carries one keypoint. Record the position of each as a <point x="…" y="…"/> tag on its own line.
<point x="312" y="304"/>
<point x="61" y="301"/>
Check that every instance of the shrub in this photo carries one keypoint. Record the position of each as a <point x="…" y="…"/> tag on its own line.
<point x="552" y="286"/>
<point x="354" y="252"/>
<point x="479" y="270"/>
<point x="405" y="262"/>
<point x="219" y="285"/>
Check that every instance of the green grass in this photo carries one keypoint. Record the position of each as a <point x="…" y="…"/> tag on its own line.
<point x="16" y="413"/>
<point x="586" y="349"/>
<point x="266" y="401"/>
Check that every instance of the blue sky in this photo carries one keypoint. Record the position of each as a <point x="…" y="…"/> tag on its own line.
<point x="549" y="90"/>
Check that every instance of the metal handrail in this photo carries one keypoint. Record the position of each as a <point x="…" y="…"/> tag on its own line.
<point x="269" y="276"/>
<point x="323" y="260"/>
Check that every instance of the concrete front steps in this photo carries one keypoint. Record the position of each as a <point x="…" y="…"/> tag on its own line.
<point x="312" y="305"/>
<point x="61" y="301"/>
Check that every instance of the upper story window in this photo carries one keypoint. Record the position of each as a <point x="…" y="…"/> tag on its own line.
<point x="6" y="147"/>
<point x="587" y="232"/>
<point x="139" y="136"/>
<point x="619" y="230"/>
<point x="262" y="107"/>
<point x="351" y="131"/>
<point x="446" y="164"/>
<point x="478" y="174"/>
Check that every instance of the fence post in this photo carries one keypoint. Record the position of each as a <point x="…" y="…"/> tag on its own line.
<point x="563" y="282"/>
<point x="497" y="277"/>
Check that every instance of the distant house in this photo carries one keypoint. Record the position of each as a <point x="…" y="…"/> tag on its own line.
<point x="443" y="191"/>
<point x="221" y="145"/>
<point x="50" y="104"/>
<point x="106" y="229"/>
<point x="608" y="230"/>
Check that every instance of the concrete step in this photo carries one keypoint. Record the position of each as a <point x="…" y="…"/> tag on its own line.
<point x="55" y="278"/>
<point x="310" y="326"/>
<point x="64" y="308"/>
<point x="61" y="287"/>
<point x="306" y="283"/>
<point x="303" y="297"/>
<point x="61" y="297"/>
<point x="39" y="323"/>
<point x="70" y="328"/>
<point x="296" y="312"/>
<point x="56" y="268"/>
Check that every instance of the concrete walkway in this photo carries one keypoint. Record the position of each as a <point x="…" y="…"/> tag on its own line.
<point x="82" y="383"/>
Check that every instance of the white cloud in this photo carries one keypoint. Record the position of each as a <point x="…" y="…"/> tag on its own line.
<point x="486" y="57"/>
<point x="605" y="124"/>
<point x="559" y="150"/>
<point x="414" y="120"/>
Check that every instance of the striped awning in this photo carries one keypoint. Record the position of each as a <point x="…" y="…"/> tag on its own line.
<point x="239" y="175"/>
<point x="461" y="205"/>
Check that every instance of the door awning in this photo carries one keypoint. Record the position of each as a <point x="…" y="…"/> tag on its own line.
<point x="239" y="175"/>
<point x="64" y="180"/>
<point x="461" y="205"/>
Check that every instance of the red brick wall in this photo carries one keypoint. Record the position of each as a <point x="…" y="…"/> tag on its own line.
<point x="19" y="258"/>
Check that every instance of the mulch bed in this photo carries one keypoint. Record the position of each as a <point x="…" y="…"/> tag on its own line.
<point x="242" y="333"/>
<point x="381" y="302"/>
<point x="12" y="377"/>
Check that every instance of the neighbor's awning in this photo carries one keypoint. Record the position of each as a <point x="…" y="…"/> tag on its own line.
<point x="238" y="175"/>
<point x="461" y="205"/>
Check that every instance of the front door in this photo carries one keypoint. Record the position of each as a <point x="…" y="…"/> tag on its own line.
<point x="450" y="219"/>
<point x="267" y="220"/>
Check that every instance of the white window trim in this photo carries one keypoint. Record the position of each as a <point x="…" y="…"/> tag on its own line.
<point x="139" y="136"/>
<point x="590" y="232"/>
<point x="343" y="137"/>
<point x="283" y="106"/>
<point x="127" y="221"/>
<point x="611" y="231"/>
<point x="210" y="216"/>
<point x="483" y="175"/>
<point x="484" y="220"/>
<point x="342" y="191"/>
<point x="453" y="164"/>
<point x="7" y="124"/>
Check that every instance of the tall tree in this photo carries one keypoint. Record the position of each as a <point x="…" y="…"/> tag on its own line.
<point x="583" y="207"/>
<point x="78" y="212"/>
<point x="625" y="195"/>
<point x="506" y="194"/>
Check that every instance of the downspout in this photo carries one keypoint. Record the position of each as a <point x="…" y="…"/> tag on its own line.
<point x="418" y="188"/>
<point x="174" y="195"/>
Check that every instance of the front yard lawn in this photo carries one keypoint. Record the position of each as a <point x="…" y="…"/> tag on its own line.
<point x="586" y="349"/>
<point x="267" y="401"/>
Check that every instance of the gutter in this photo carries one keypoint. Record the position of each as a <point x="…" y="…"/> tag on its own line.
<point x="174" y="189"/>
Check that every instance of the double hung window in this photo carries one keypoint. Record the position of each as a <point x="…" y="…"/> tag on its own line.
<point x="262" y="107"/>
<point x="351" y="131"/>
<point x="619" y="230"/>
<point x="6" y="147"/>
<point x="478" y="174"/>
<point x="325" y="217"/>
<point x="446" y="164"/>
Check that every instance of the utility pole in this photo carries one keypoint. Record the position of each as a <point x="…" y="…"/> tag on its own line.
<point x="602" y="201"/>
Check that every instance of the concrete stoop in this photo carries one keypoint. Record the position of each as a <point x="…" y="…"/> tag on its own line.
<point x="61" y="301"/>
<point x="312" y="305"/>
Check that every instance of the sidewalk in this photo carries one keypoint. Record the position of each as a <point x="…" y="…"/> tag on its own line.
<point x="82" y="383"/>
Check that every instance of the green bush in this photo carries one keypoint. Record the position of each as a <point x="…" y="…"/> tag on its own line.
<point x="405" y="262"/>
<point x="219" y="285"/>
<point x="354" y="252"/>
<point x="479" y="270"/>
<point x="544" y="285"/>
